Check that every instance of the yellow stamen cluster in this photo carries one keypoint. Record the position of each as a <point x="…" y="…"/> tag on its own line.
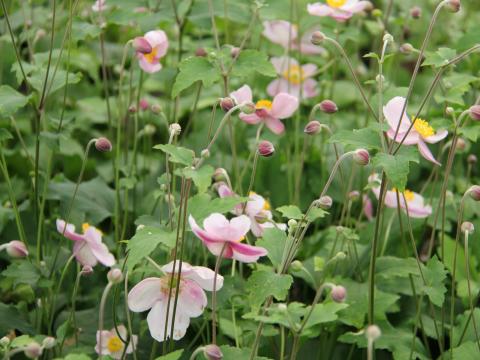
<point x="409" y="195"/>
<point x="423" y="128"/>
<point x="150" y="57"/>
<point x="294" y="74"/>
<point x="85" y="226"/>
<point x="336" y="3"/>
<point x="264" y="104"/>
<point x="114" y="344"/>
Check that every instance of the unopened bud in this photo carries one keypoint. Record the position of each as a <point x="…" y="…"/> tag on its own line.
<point x="248" y="108"/>
<point x="361" y="157"/>
<point x="472" y="159"/>
<point x="103" y="144"/>
<point x="292" y="223"/>
<point x="227" y="104"/>
<point x="4" y="341"/>
<point x="33" y="350"/>
<point x="312" y="128"/>
<point x="416" y="12"/>
<point x="377" y="13"/>
<point x="149" y="129"/>
<point x="115" y="276"/>
<point x="296" y="266"/>
<point x="212" y="352"/>
<point x="16" y="249"/>
<point x="49" y="342"/>
<point x="175" y="129"/>
<point x="467" y="226"/>
<point x="220" y="174"/>
<point x="453" y="5"/>
<point x="461" y="144"/>
<point x="132" y="109"/>
<point x="338" y="293"/>
<point x="380" y="78"/>
<point x="388" y="38"/>
<point x="354" y="195"/>
<point x="474" y="192"/>
<point x="450" y="110"/>
<point x="143" y="103"/>
<point x="325" y="202"/>
<point x="475" y="112"/>
<point x="235" y="52"/>
<point x="141" y="45"/>
<point x="156" y="109"/>
<point x="317" y="37"/>
<point x="328" y="106"/>
<point x="373" y="332"/>
<point x="265" y="148"/>
<point x="205" y="153"/>
<point x="200" y="52"/>
<point x="406" y="48"/>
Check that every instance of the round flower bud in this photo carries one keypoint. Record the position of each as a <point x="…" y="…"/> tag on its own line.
<point x="141" y="45"/>
<point x="453" y="5"/>
<point x="86" y="270"/>
<point x="377" y="13"/>
<point x="406" y="48"/>
<point x="33" y="350"/>
<point x="296" y="265"/>
<point x="156" y="109"/>
<point x="475" y="112"/>
<point x="380" y="78"/>
<point x="472" y="159"/>
<point x="317" y="37"/>
<point x="388" y="38"/>
<point x="103" y="144"/>
<point x="461" y="144"/>
<point x="325" y="202"/>
<point x="292" y="223"/>
<point x="201" y="52"/>
<point x="248" y="108"/>
<point x="220" y="174"/>
<point x="373" y="332"/>
<point x="4" y="341"/>
<point x="227" y="103"/>
<point x="149" y="129"/>
<point x="313" y="128"/>
<point x="416" y="12"/>
<point x="449" y="110"/>
<point x="265" y="148"/>
<point x="16" y="249"/>
<point x="212" y="352"/>
<point x="474" y="192"/>
<point x="328" y="106"/>
<point x="115" y="276"/>
<point x="339" y="293"/>
<point x="235" y="52"/>
<point x="361" y="157"/>
<point x="143" y="103"/>
<point x="132" y="109"/>
<point x="205" y="153"/>
<point x="49" y="342"/>
<point x="467" y="226"/>
<point x="175" y="129"/>
<point x="354" y="195"/>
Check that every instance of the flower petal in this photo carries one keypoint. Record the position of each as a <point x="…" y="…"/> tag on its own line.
<point x="156" y="320"/>
<point x="247" y="253"/>
<point x="319" y="9"/>
<point x="279" y="32"/>
<point x="392" y="112"/>
<point x="275" y="125"/>
<point x="412" y="138"/>
<point x="283" y="106"/>
<point x="68" y="230"/>
<point x="278" y="86"/>
<point x="84" y="254"/>
<point x="242" y="95"/>
<point x="158" y="40"/>
<point x="98" y="248"/>
<point x="204" y="277"/>
<point x="251" y="119"/>
<point x="145" y="294"/>
<point x="426" y="153"/>
<point x="283" y="63"/>
<point x="192" y="299"/>
<point x="438" y="136"/>
<point x="168" y="268"/>
<point x="202" y="234"/>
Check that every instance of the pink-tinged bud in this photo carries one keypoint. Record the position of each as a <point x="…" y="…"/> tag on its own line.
<point x="16" y="249"/>
<point x="354" y="195"/>
<point x="361" y="157"/>
<point x="265" y="148"/>
<point x="416" y="12"/>
<point x="143" y="103"/>
<point x="201" y="52"/>
<point x="467" y="226"/>
<point x="220" y="174"/>
<point x="474" y="192"/>
<point x="115" y="276"/>
<point x="235" y="52"/>
<point x="406" y="48"/>
<point x="328" y="106"/>
<point x="373" y="332"/>
<point x="141" y="45"/>
<point x="49" y="342"/>
<point x="313" y="128"/>
<point x="317" y="38"/>
<point x="103" y="144"/>
<point x="227" y="104"/>
<point x="475" y="112"/>
<point x="472" y="159"/>
<point x="213" y="352"/>
<point x="325" y="202"/>
<point x="339" y="293"/>
<point x="248" y="108"/>
<point x="461" y="144"/>
<point x="33" y="350"/>
<point x="453" y="5"/>
<point x="132" y="109"/>
<point x="156" y="109"/>
<point x="86" y="270"/>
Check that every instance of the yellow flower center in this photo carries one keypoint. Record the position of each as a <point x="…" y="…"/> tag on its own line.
<point x="294" y="74"/>
<point x="423" y="128"/>
<point x="85" y="226"/>
<point x="409" y="195"/>
<point x="114" y="344"/>
<point x="336" y="3"/>
<point x="264" y="104"/>
<point x="266" y="204"/>
<point x="150" y="57"/>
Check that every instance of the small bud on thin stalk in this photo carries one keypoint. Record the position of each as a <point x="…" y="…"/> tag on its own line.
<point x="325" y="202"/>
<point x="115" y="276"/>
<point x="475" y="112"/>
<point x="317" y="37"/>
<point x="328" y="106"/>
<point x="467" y="227"/>
<point x="212" y="352"/>
<point x="338" y="293"/>
<point x="103" y="144"/>
<point x="361" y="157"/>
<point x="312" y="128"/>
<point x="265" y="148"/>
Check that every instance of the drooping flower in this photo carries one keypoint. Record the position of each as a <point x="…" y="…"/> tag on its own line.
<point x="420" y="133"/>
<point x="152" y="294"/>
<point x="150" y="62"/>
<point x="414" y="201"/>
<point x="270" y="112"/>
<point x="112" y="345"/>
<point x="294" y="79"/>
<point x="285" y="34"/>
<point x="88" y="247"/>
<point x="100" y="5"/>
<point x="340" y="10"/>
<point x="220" y="233"/>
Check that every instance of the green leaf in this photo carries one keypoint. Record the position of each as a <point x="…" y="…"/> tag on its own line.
<point x="201" y="177"/>
<point x="22" y="272"/>
<point x="5" y="134"/>
<point x="390" y="267"/>
<point x="194" y="69"/>
<point x="363" y="138"/>
<point x="325" y="312"/>
<point x="177" y="154"/>
<point x="439" y="58"/>
<point x="467" y="351"/>
<point x="435" y="275"/>
<point x="11" y="101"/>
<point x="397" y="166"/>
<point x="262" y="284"/>
<point x="175" y="355"/>
<point x="230" y="352"/>
<point x="145" y="240"/>
<point x="316" y="213"/>
<point x="202" y="205"/>
<point x="38" y="78"/>
<point x="251" y="61"/>
<point x="274" y="241"/>
<point x="290" y="212"/>
<point x="12" y="318"/>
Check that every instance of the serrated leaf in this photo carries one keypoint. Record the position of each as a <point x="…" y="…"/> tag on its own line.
<point x="201" y="177"/>
<point x="230" y="352"/>
<point x="274" y="241"/>
<point x="262" y="284"/>
<point x="177" y="154"/>
<point x="325" y="312"/>
<point x="175" y="355"/>
<point x="439" y="57"/>
<point x="5" y="134"/>
<point x="195" y="69"/>
<point x="22" y="272"/>
<point x="11" y="101"/>
<point x="390" y="267"/>
<point x="397" y="167"/>
<point x="363" y="138"/>
<point x="202" y="205"/>
<point x="12" y="318"/>
<point x="290" y="212"/>
<point x="435" y="275"/>
<point x="251" y="61"/>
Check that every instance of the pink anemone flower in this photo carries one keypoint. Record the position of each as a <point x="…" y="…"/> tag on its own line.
<point x="220" y="233"/>
<point x="420" y="133"/>
<point x="340" y="10"/>
<point x="415" y="202"/>
<point x="88" y="247"/>
<point x="294" y="79"/>
<point x="285" y="34"/>
<point x="152" y="294"/>
<point x="257" y="209"/>
<point x="112" y="344"/>
<point x="150" y="62"/>
<point x="99" y="5"/>
<point x="269" y="112"/>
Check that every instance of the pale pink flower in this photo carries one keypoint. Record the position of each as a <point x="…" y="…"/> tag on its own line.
<point x="221" y="233"/>
<point x="294" y="79"/>
<point x="270" y="112"/>
<point x="88" y="247"/>
<point x="340" y="10"/>
<point x="112" y="344"/>
<point x="15" y="249"/>
<point x="415" y="202"/>
<point x="159" y="42"/>
<point x="420" y="133"/>
<point x="285" y="34"/>
<point x="100" y="5"/>
<point x="152" y="294"/>
<point x="257" y="209"/>
<point x="367" y="207"/>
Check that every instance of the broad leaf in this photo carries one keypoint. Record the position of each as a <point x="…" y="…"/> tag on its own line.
<point x="195" y="69"/>
<point x="262" y="284"/>
<point x="177" y="154"/>
<point x="11" y="101"/>
<point x="274" y="241"/>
